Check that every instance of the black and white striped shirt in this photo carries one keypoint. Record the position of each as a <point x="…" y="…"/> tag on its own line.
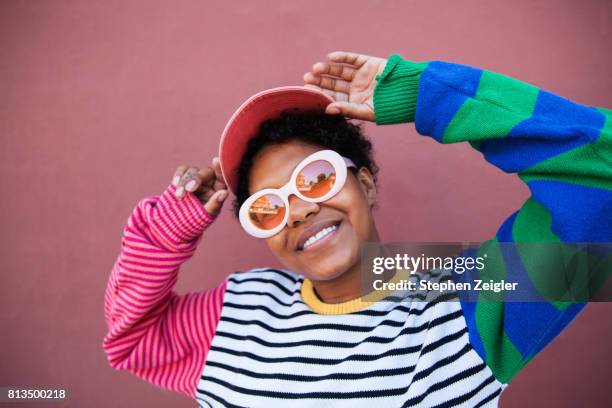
<point x="271" y="349"/>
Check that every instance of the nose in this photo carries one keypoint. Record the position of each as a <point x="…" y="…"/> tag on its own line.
<point x="300" y="210"/>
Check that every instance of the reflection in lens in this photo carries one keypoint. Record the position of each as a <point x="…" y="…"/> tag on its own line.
<point x="267" y="211"/>
<point x="316" y="179"/>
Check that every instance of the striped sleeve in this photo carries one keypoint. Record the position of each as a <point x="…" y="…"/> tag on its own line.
<point x="561" y="149"/>
<point x="154" y="333"/>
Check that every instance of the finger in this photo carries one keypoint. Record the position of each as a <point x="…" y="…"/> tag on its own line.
<point x="205" y="195"/>
<point x="209" y="184"/>
<point x="343" y="71"/>
<point x="219" y="183"/>
<point x="215" y="202"/>
<point x="326" y="82"/>
<point x="185" y="178"/>
<point x="351" y="110"/>
<point x="192" y="180"/>
<point x="312" y="79"/>
<point x="207" y="176"/>
<point x="186" y="175"/>
<point x="200" y="182"/>
<point x="178" y="173"/>
<point x="351" y="58"/>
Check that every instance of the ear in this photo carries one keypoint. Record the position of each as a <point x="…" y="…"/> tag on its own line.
<point x="366" y="182"/>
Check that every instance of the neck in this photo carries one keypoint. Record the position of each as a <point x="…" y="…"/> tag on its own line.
<point x="347" y="286"/>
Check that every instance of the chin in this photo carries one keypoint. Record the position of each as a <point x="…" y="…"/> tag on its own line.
<point x="330" y="268"/>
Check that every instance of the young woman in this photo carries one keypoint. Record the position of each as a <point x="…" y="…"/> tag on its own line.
<point x="305" y="182"/>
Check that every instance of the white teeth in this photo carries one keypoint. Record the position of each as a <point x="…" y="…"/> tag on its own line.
<point x="318" y="236"/>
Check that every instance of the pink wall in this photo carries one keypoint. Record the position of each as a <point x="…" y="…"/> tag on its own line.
<point x="101" y="100"/>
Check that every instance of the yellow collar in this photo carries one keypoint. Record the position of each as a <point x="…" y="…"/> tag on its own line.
<point x="350" y="306"/>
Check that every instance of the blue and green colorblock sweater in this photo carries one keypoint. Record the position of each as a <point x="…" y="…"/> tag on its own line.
<point x="562" y="151"/>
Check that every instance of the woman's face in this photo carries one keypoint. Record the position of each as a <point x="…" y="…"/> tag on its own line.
<point x="349" y="211"/>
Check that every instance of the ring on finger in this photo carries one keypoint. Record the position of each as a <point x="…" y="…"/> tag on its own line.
<point x="190" y="181"/>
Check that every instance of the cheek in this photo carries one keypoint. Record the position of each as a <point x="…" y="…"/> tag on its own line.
<point x="289" y="259"/>
<point x="353" y="203"/>
<point x="277" y="243"/>
<point x="278" y="246"/>
<point x="361" y="220"/>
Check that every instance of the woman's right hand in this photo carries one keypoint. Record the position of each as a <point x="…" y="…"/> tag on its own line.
<point x="206" y="184"/>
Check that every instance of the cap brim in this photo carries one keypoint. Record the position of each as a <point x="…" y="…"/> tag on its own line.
<point x="244" y="123"/>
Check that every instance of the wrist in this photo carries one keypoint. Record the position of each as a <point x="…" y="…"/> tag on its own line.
<point x="182" y="219"/>
<point x="396" y="91"/>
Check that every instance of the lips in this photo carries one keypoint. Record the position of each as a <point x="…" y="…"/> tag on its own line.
<point x="312" y="231"/>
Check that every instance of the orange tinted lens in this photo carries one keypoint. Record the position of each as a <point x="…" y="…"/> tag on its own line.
<point x="267" y="211"/>
<point x="316" y="179"/>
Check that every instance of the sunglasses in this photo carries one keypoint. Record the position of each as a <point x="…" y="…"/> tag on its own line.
<point x="317" y="178"/>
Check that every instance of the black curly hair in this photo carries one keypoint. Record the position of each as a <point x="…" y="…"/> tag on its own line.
<point x="332" y="132"/>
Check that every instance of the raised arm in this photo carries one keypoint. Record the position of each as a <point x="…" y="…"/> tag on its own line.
<point x="153" y="332"/>
<point x="562" y="150"/>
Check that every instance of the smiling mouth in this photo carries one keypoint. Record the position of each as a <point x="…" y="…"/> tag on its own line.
<point x="316" y="240"/>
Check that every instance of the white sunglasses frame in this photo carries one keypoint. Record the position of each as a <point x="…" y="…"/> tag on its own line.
<point x="338" y="162"/>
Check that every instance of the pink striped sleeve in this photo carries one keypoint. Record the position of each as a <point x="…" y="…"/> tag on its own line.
<point x="153" y="332"/>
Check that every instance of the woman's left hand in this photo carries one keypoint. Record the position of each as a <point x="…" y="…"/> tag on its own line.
<point x="349" y="78"/>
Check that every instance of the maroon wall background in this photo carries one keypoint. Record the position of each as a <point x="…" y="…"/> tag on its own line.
<point x="101" y="100"/>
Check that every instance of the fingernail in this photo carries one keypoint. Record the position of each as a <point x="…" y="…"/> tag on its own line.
<point x="179" y="191"/>
<point x="222" y="196"/>
<point x="333" y="111"/>
<point x="176" y="180"/>
<point x="190" y="186"/>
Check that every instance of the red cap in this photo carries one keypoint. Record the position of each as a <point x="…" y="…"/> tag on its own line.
<point x="244" y="123"/>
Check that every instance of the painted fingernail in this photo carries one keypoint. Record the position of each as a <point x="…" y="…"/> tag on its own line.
<point x="176" y="180"/>
<point x="222" y="196"/>
<point x="190" y="186"/>
<point x="179" y="191"/>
